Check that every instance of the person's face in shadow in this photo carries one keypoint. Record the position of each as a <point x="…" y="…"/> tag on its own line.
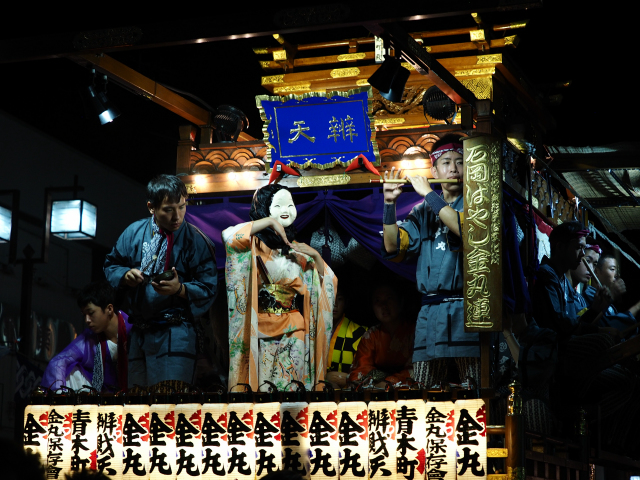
<point x="386" y="305"/>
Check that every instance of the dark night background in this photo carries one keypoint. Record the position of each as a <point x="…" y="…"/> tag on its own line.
<point x="591" y="48"/>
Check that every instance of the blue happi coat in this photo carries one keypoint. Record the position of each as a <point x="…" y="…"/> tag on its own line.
<point x="191" y="256"/>
<point x="440" y="326"/>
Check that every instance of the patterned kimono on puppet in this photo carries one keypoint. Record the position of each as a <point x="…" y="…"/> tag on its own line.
<point x="279" y="328"/>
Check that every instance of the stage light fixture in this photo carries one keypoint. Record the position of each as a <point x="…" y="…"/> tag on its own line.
<point x="390" y="79"/>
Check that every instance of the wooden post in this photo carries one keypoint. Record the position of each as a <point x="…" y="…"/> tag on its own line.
<point x="514" y="435"/>
<point x="185" y="145"/>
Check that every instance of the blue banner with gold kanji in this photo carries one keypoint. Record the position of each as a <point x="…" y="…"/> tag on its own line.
<point x="319" y="130"/>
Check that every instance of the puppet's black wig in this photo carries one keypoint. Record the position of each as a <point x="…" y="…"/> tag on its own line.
<point x="260" y="209"/>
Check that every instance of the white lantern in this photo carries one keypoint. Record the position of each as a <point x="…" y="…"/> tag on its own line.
<point x="59" y="446"/>
<point x="471" y="439"/>
<point x="84" y="432"/>
<point x="162" y="442"/>
<point x="440" y="458"/>
<point x="294" y="427"/>
<point x="5" y="225"/>
<point x="382" y="438"/>
<point x="73" y="219"/>
<point x="135" y="442"/>
<point x="109" y="443"/>
<point x="410" y="427"/>
<point x="188" y="440"/>
<point x="36" y="421"/>
<point x="267" y="437"/>
<point x="214" y="441"/>
<point x="353" y="439"/>
<point x="241" y="449"/>
<point x="323" y="437"/>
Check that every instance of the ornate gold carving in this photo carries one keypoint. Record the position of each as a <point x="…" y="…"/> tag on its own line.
<point x="497" y="476"/>
<point x="477" y="35"/>
<point x="191" y="189"/>
<point x="265" y="63"/>
<point x="389" y="121"/>
<point x="260" y="50"/>
<point x="345" y="72"/>
<point x="323" y="180"/>
<point x="476" y="17"/>
<point x="427" y="48"/>
<point x="362" y="82"/>
<point x="512" y="40"/>
<point x="492" y="58"/>
<point x="472" y="72"/>
<point x="517" y="473"/>
<point x="521" y="24"/>
<point x="514" y="402"/>
<point x="279" y="55"/>
<point x="351" y="56"/>
<point x="497" y="453"/>
<point x="482" y="224"/>
<point x="271" y="79"/>
<point x="407" y="65"/>
<point x="278" y="38"/>
<point x="481" y="87"/>
<point x="300" y="87"/>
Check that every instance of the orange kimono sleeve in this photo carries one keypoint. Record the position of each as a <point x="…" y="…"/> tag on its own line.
<point x="365" y="358"/>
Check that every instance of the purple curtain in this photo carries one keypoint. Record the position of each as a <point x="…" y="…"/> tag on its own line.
<point x="362" y="219"/>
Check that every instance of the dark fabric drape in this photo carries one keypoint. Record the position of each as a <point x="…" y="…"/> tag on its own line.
<point x="362" y="219"/>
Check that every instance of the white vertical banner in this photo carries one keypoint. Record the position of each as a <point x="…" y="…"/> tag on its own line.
<point x="109" y="441"/>
<point x="323" y="440"/>
<point x="59" y="445"/>
<point x="353" y="440"/>
<point x="36" y="433"/>
<point x="410" y="426"/>
<point x="267" y="438"/>
<point x="241" y="460"/>
<point x="84" y="437"/>
<point x="382" y="440"/>
<point x="441" y="446"/>
<point x="294" y="428"/>
<point x="471" y="439"/>
<point x="162" y="441"/>
<point x="188" y="440"/>
<point x="135" y="442"/>
<point x="214" y="441"/>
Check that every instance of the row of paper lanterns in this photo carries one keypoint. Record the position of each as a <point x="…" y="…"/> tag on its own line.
<point x="410" y="439"/>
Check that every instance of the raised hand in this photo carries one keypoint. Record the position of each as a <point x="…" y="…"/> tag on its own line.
<point x="391" y="190"/>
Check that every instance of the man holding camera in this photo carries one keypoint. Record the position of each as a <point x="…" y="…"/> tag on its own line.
<point x="165" y="271"/>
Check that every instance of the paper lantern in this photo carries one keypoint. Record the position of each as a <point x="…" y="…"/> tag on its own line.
<point x="109" y="440"/>
<point x="135" y="442"/>
<point x="5" y="225"/>
<point x="59" y="446"/>
<point x="73" y="219"/>
<point x="471" y="439"/>
<point x="323" y="440"/>
<point x="410" y="427"/>
<point x="241" y="446"/>
<point x="188" y="440"/>
<point x="440" y="458"/>
<point x="267" y="438"/>
<point x="214" y="441"/>
<point x="84" y="442"/>
<point x="294" y="428"/>
<point x="382" y="439"/>
<point x="36" y="420"/>
<point x="353" y="439"/>
<point x="162" y="441"/>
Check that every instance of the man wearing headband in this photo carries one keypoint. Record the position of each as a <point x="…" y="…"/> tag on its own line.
<point x="608" y="272"/>
<point x="432" y="232"/>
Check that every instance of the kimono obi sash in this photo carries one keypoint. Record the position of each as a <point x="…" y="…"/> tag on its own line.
<point x="436" y="298"/>
<point x="276" y="298"/>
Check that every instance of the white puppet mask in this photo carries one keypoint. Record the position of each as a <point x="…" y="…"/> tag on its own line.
<point x="282" y="208"/>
